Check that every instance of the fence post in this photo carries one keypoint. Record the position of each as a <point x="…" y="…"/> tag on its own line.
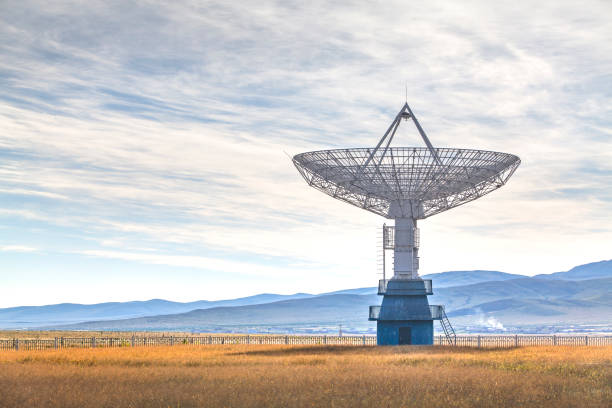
<point x="172" y="340"/>
<point x="364" y="339"/>
<point x="516" y="340"/>
<point x="16" y="344"/>
<point x="55" y="343"/>
<point x="248" y="339"/>
<point x="93" y="342"/>
<point x="61" y="342"/>
<point x="440" y="341"/>
<point x="586" y="340"/>
<point x="133" y="341"/>
<point x="286" y="339"/>
<point x="478" y="341"/>
<point x="554" y="340"/>
<point x="325" y="339"/>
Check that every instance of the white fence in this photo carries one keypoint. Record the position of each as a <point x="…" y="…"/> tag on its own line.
<point x="484" y="341"/>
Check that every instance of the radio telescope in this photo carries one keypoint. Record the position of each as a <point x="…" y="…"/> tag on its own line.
<point x="406" y="184"/>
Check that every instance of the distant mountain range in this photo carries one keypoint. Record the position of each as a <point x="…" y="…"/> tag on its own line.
<point x="461" y="278"/>
<point x="324" y="310"/>
<point x="582" y="295"/>
<point x="594" y="270"/>
<point x="66" y="313"/>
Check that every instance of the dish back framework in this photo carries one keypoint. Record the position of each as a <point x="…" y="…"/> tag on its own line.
<point x="406" y="184"/>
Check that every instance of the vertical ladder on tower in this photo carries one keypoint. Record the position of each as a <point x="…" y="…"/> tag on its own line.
<point x="380" y="253"/>
<point x="451" y="337"/>
<point x="385" y="256"/>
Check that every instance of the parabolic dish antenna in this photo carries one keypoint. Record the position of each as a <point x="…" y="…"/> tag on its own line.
<point x="406" y="184"/>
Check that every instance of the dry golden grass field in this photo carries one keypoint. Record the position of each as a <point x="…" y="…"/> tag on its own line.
<point x="307" y="376"/>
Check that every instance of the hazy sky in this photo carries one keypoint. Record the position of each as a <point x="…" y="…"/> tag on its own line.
<point x="142" y="144"/>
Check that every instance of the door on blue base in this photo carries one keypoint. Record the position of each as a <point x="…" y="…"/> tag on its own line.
<point x="405" y="335"/>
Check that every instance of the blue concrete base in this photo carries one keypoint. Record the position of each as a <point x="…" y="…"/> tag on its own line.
<point x="388" y="332"/>
<point x="405" y="316"/>
<point x="412" y="307"/>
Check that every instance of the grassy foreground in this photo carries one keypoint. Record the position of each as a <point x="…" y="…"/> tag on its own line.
<point x="307" y="376"/>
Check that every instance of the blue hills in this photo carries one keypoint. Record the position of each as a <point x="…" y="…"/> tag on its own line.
<point x="594" y="270"/>
<point x="323" y="310"/>
<point x="461" y="278"/>
<point x="65" y="313"/>
<point x="580" y="295"/>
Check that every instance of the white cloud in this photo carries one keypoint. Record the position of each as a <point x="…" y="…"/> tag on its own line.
<point x="17" y="248"/>
<point x="163" y="126"/>
<point x="198" y="262"/>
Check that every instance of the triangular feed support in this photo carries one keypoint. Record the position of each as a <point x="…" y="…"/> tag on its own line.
<point x="405" y="113"/>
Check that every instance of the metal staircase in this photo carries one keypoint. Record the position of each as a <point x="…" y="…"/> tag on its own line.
<point x="451" y="337"/>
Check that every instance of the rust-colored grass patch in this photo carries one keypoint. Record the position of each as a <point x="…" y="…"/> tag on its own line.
<point x="307" y="376"/>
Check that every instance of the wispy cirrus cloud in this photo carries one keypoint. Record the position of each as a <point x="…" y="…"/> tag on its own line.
<point x="17" y="248"/>
<point x="163" y="126"/>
